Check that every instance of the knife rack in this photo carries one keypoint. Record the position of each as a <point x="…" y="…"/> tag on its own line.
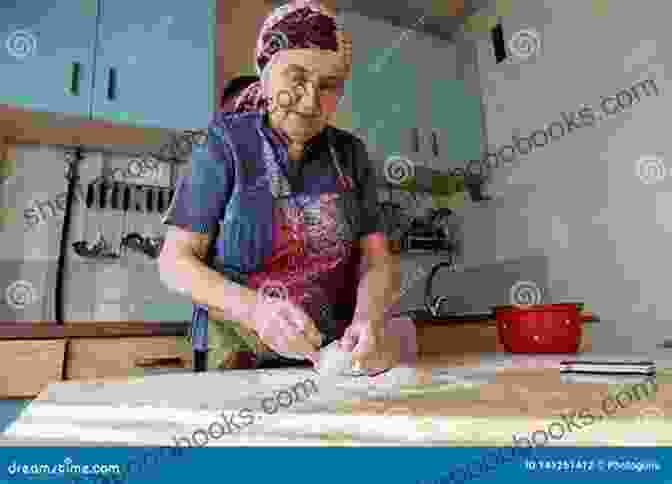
<point x="109" y="195"/>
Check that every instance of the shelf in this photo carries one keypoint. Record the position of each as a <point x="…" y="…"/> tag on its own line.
<point x="427" y="180"/>
<point x="21" y="126"/>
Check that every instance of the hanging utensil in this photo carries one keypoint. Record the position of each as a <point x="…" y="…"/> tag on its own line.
<point x="90" y="195"/>
<point x="116" y="196"/>
<point x="160" y="202"/>
<point x="102" y="195"/>
<point x="149" y="199"/>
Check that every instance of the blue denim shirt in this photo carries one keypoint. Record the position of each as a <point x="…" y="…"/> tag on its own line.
<point x="231" y="189"/>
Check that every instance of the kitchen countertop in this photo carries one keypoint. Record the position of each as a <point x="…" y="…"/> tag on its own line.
<point x="471" y="399"/>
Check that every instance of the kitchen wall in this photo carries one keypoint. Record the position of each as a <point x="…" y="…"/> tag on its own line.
<point x="123" y="290"/>
<point x="580" y="200"/>
<point x="379" y="44"/>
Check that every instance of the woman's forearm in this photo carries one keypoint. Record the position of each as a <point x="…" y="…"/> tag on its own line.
<point x="229" y="301"/>
<point x="378" y="291"/>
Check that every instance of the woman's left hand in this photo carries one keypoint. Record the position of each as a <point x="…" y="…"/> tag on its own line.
<point x="370" y="346"/>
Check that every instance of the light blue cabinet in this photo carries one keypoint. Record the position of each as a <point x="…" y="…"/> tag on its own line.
<point x="383" y="86"/>
<point x="46" y="54"/>
<point x="155" y="63"/>
<point x="456" y="114"/>
<point x="140" y="63"/>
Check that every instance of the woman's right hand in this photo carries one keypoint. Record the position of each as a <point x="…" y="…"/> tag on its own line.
<point x="286" y="328"/>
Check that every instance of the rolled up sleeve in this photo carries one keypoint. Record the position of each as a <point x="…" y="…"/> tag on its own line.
<point x="371" y="221"/>
<point x="200" y="197"/>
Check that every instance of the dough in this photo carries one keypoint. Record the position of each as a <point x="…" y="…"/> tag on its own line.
<point x="333" y="360"/>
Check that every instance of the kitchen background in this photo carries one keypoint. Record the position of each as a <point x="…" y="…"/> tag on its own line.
<point x="573" y="217"/>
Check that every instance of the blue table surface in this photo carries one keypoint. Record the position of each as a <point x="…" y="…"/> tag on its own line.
<point x="9" y="411"/>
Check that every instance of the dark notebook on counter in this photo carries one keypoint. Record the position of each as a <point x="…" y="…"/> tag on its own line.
<point x="634" y="368"/>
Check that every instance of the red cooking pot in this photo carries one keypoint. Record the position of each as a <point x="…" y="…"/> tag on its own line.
<point x="543" y="328"/>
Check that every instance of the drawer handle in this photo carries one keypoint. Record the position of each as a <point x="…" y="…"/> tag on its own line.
<point x="415" y="139"/>
<point x="74" y="78"/>
<point x="161" y="361"/>
<point x="112" y="85"/>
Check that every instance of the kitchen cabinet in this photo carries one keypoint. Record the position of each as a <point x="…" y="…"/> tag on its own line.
<point x="453" y="109"/>
<point x="47" y="54"/>
<point x="146" y="65"/>
<point x="121" y="357"/>
<point x="382" y="90"/>
<point x="155" y="63"/>
<point x="29" y="366"/>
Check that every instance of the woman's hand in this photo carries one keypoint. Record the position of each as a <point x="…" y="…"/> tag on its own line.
<point x="286" y="328"/>
<point x="371" y="347"/>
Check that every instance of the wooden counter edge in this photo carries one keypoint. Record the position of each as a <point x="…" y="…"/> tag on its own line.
<point x="88" y="329"/>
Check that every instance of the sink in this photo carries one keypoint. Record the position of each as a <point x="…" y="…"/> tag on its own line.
<point x="424" y="315"/>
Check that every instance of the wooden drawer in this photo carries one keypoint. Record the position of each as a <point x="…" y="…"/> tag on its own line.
<point x="460" y="338"/>
<point x="28" y="366"/>
<point x="121" y="357"/>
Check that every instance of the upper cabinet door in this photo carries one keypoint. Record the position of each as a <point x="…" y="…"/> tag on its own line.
<point x="455" y="105"/>
<point x="382" y="89"/>
<point x="155" y="63"/>
<point x="46" y="54"/>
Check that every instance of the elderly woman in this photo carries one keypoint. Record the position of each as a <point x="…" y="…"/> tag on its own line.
<point x="276" y="234"/>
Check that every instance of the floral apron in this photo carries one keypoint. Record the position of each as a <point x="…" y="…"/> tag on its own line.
<point x="314" y="263"/>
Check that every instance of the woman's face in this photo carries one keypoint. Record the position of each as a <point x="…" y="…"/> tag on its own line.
<point x="304" y="86"/>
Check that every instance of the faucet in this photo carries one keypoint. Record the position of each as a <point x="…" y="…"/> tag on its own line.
<point x="434" y="305"/>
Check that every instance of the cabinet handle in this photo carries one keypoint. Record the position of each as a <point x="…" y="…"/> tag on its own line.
<point x="415" y="139"/>
<point x="170" y="361"/>
<point x="112" y="84"/>
<point x="435" y="143"/>
<point x="76" y="69"/>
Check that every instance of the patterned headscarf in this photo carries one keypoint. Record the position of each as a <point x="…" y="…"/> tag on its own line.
<point x="301" y="24"/>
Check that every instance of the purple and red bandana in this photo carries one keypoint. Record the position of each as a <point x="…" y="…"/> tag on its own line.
<point x="301" y="24"/>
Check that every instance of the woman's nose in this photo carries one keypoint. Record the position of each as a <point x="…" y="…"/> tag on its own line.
<point x="309" y="101"/>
